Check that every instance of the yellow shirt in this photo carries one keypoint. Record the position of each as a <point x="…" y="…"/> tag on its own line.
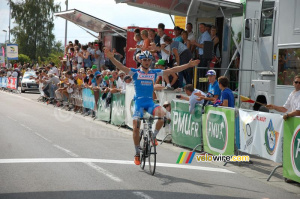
<point x="79" y="82"/>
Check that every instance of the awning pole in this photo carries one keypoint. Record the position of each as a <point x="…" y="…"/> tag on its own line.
<point x="172" y="19"/>
<point x="86" y="30"/>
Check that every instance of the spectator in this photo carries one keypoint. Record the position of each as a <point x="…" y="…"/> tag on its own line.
<point x="120" y="79"/>
<point x="86" y="57"/>
<point x="127" y="80"/>
<point x="217" y="56"/>
<point x="97" y="55"/>
<point x="227" y="98"/>
<point x="185" y="39"/>
<point x="146" y="42"/>
<point x="79" y="56"/>
<point x="163" y="47"/>
<point x="205" y="36"/>
<point x="154" y="41"/>
<point x="182" y="56"/>
<point x="208" y="28"/>
<point x="214" y="92"/>
<point x="137" y="49"/>
<point x="292" y="105"/>
<point x="177" y="32"/>
<point x="53" y="69"/>
<point x="193" y="99"/>
<point x="171" y="80"/>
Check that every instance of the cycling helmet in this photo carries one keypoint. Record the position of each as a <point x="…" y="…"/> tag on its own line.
<point x="146" y="55"/>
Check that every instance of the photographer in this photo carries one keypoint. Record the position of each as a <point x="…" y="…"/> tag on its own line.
<point x="193" y="98"/>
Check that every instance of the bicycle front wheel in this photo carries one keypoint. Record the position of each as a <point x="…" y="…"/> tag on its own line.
<point x="152" y="156"/>
<point x="143" y="145"/>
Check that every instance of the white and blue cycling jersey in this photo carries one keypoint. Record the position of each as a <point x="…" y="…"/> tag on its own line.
<point x="144" y="86"/>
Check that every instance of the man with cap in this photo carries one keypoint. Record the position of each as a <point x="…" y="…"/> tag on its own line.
<point x="95" y="73"/>
<point x="177" y="32"/>
<point x="214" y="92"/>
<point x="120" y="79"/>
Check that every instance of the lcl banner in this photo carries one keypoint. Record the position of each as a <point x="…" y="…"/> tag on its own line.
<point x="261" y="134"/>
<point x="12" y="51"/>
<point x="12" y="83"/>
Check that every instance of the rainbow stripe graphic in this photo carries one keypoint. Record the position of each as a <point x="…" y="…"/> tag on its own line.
<point x="189" y="158"/>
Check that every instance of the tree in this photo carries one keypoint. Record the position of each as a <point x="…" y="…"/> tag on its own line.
<point x="23" y="59"/>
<point x="34" y="20"/>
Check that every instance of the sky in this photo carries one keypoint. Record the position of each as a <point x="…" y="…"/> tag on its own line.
<point x="121" y="15"/>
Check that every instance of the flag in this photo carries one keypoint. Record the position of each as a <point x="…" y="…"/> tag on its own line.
<point x="246" y="99"/>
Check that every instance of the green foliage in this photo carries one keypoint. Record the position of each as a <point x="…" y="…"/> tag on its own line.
<point x="23" y="59"/>
<point x="34" y="26"/>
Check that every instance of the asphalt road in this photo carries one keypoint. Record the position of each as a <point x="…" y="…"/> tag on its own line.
<point x="46" y="153"/>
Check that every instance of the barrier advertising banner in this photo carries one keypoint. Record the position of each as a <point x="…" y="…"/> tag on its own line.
<point x="12" y="83"/>
<point x="261" y="134"/>
<point x="88" y="99"/>
<point x="291" y="149"/>
<point x="129" y="105"/>
<point x="186" y="127"/>
<point x="104" y="108"/>
<point x="3" y="83"/>
<point x="12" y="51"/>
<point x="219" y="130"/>
<point x="118" y="109"/>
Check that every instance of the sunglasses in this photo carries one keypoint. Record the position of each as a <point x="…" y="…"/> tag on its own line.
<point x="165" y="106"/>
<point x="296" y="82"/>
<point x="146" y="59"/>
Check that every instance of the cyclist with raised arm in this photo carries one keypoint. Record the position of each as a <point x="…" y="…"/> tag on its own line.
<point x="144" y="80"/>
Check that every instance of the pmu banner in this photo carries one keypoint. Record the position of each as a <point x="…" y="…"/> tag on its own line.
<point x="118" y="109"/>
<point x="261" y="134"/>
<point x="12" y="83"/>
<point x="219" y="130"/>
<point x="88" y="99"/>
<point x="12" y="51"/>
<point x="186" y="127"/>
<point x="291" y="149"/>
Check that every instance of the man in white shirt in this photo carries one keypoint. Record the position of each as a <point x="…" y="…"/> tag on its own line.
<point x="53" y="69"/>
<point x="292" y="105"/>
<point x="193" y="99"/>
<point x="189" y="29"/>
<point x="165" y="49"/>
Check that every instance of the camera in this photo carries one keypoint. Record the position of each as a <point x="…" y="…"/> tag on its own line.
<point x="178" y="96"/>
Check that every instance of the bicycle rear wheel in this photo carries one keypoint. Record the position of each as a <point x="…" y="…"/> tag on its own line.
<point x="152" y="156"/>
<point x="143" y="144"/>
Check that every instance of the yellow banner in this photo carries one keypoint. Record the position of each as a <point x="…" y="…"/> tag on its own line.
<point x="180" y="21"/>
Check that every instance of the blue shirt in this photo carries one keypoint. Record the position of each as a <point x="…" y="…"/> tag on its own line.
<point x="94" y="82"/>
<point x="193" y="100"/>
<point x="227" y="95"/>
<point x="214" y="89"/>
<point x="144" y="83"/>
<point x="179" y="46"/>
<point x="204" y="37"/>
<point x="179" y="38"/>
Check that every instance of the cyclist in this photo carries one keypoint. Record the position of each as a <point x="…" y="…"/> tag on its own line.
<point x="144" y="79"/>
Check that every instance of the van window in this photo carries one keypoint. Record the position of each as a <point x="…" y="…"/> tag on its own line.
<point x="288" y="65"/>
<point x="248" y="29"/>
<point x="266" y="23"/>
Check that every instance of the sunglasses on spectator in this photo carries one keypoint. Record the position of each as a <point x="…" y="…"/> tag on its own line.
<point x="146" y="59"/>
<point x="165" y="106"/>
<point x="296" y="82"/>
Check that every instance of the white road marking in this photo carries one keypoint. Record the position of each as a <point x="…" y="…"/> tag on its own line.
<point x="67" y="151"/>
<point x="11" y="118"/>
<point x="103" y="171"/>
<point x="43" y="137"/>
<point x="23" y="125"/>
<point x="141" y="194"/>
<point x="83" y="160"/>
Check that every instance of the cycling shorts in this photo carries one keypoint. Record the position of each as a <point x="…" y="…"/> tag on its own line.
<point x="142" y="105"/>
